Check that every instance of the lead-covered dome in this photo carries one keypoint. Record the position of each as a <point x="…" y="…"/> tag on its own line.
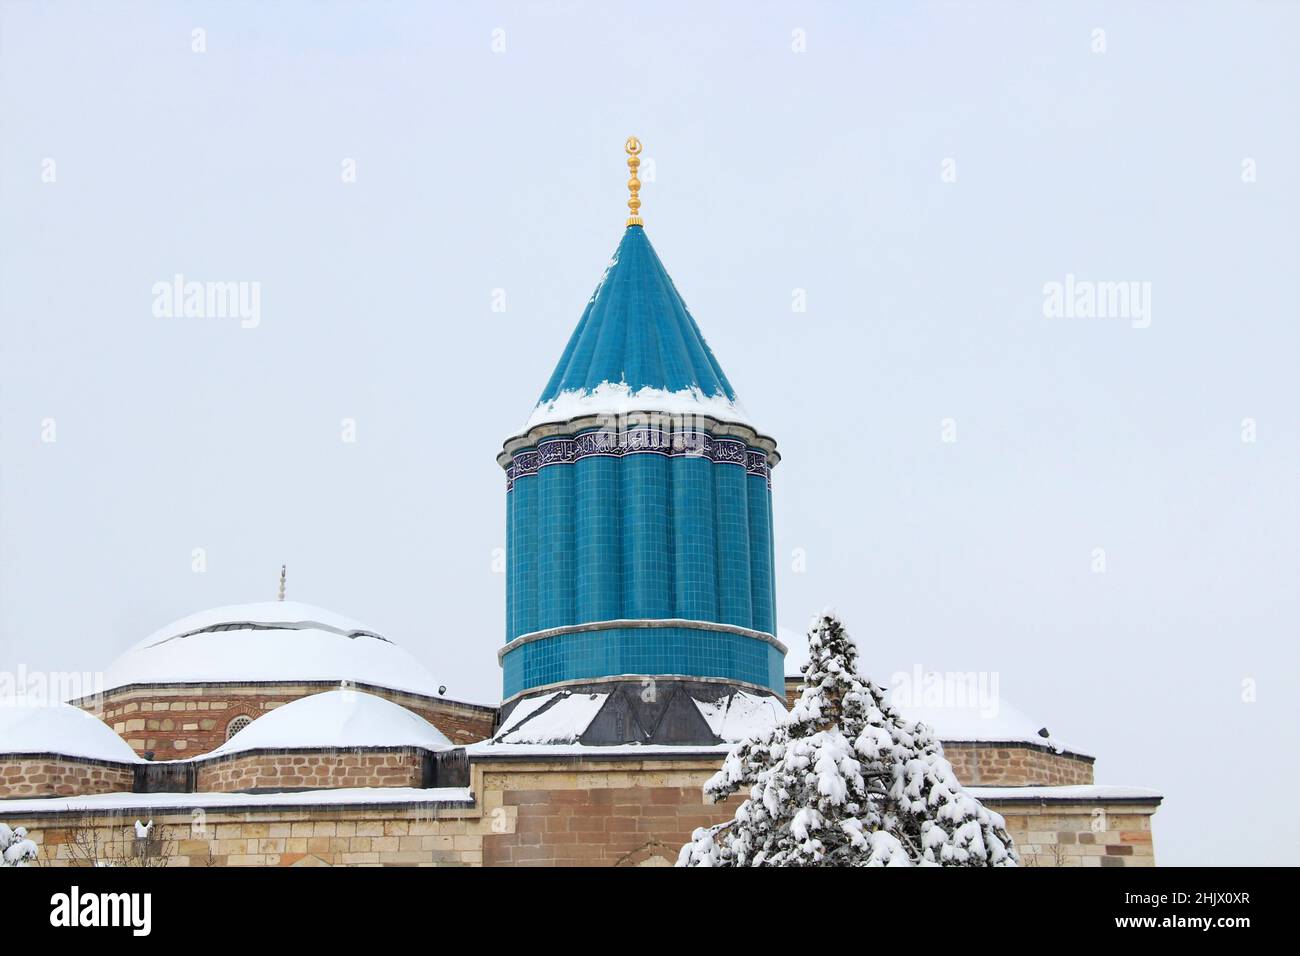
<point x="270" y="642"/>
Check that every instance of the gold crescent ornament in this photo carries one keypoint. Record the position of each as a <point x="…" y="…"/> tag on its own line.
<point x="633" y="149"/>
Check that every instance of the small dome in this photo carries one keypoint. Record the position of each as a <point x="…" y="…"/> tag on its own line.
<point x="964" y="721"/>
<point x="997" y="721"/>
<point x="337" y="718"/>
<point x="30" y="727"/>
<point x="275" y="641"/>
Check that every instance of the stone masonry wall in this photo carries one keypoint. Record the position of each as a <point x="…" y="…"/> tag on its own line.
<point x="628" y="815"/>
<point x="51" y="775"/>
<point x="1016" y="765"/>
<point x="273" y="836"/>
<point x="311" y="769"/>
<point x="179" y="720"/>
<point x="561" y="812"/>
<point x="1080" y="834"/>
<point x="642" y="817"/>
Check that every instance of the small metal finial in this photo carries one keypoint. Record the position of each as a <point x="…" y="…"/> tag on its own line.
<point x="633" y="147"/>
<point x="283" y="572"/>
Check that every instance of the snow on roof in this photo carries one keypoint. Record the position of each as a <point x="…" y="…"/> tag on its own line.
<point x="365" y="796"/>
<point x="352" y="796"/>
<point x="966" y="720"/>
<point x="336" y="718"/>
<point x="31" y="727"/>
<point x="563" y="722"/>
<point x="619" y="398"/>
<point x="551" y="726"/>
<point x="271" y="641"/>
<point x="525" y="709"/>
<point x="740" y="716"/>
<point x="998" y="722"/>
<point x="286" y="613"/>
<point x="491" y="748"/>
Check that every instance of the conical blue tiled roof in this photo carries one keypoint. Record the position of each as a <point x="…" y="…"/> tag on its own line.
<point x="636" y="333"/>
<point x="639" y="544"/>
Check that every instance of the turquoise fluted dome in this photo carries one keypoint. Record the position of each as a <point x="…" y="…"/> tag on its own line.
<point x="636" y="330"/>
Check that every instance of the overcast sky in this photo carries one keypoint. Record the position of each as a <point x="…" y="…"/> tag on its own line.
<point x="921" y="171"/>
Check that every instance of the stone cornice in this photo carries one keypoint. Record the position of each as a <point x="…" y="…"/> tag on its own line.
<point x="639" y="419"/>
<point x="638" y="623"/>
<point x="1015" y="745"/>
<point x="217" y="688"/>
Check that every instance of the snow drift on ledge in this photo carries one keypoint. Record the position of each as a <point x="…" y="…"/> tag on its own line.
<point x="617" y="398"/>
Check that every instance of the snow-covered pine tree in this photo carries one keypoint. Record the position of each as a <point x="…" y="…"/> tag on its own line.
<point x="15" y="848"/>
<point x="846" y="781"/>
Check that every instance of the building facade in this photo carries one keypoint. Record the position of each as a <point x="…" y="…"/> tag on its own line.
<point x="640" y="646"/>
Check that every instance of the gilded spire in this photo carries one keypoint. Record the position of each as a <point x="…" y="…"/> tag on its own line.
<point x="283" y="571"/>
<point x="633" y="147"/>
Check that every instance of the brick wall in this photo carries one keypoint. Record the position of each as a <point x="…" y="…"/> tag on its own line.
<point x="311" y="769"/>
<point x="462" y="723"/>
<point x="1016" y="765"/>
<point x="179" y="720"/>
<point x="51" y="775"/>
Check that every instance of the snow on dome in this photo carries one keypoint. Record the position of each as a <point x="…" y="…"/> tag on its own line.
<point x="618" y="398"/>
<point x="336" y="718"/>
<point x="287" y="613"/>
<point x="993" y="722"/>
<point x="30" y="727"/>
<point x="271" y="641"/>
<point x="967" y="720"/>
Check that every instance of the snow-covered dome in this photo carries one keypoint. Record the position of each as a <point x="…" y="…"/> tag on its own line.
<point x="963" y="720"/>
<point x="29" y="727"/>
<point x="276" y="641"/>
<point x="996" y="721"/>
<point x="336" y="718"/>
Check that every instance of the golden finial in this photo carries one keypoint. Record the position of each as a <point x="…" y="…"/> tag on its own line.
<point x="283" y="570"/>
<point x="633" y="147"/>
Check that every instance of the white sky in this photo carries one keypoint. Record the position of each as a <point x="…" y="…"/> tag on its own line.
<point x="774" y="171"/>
